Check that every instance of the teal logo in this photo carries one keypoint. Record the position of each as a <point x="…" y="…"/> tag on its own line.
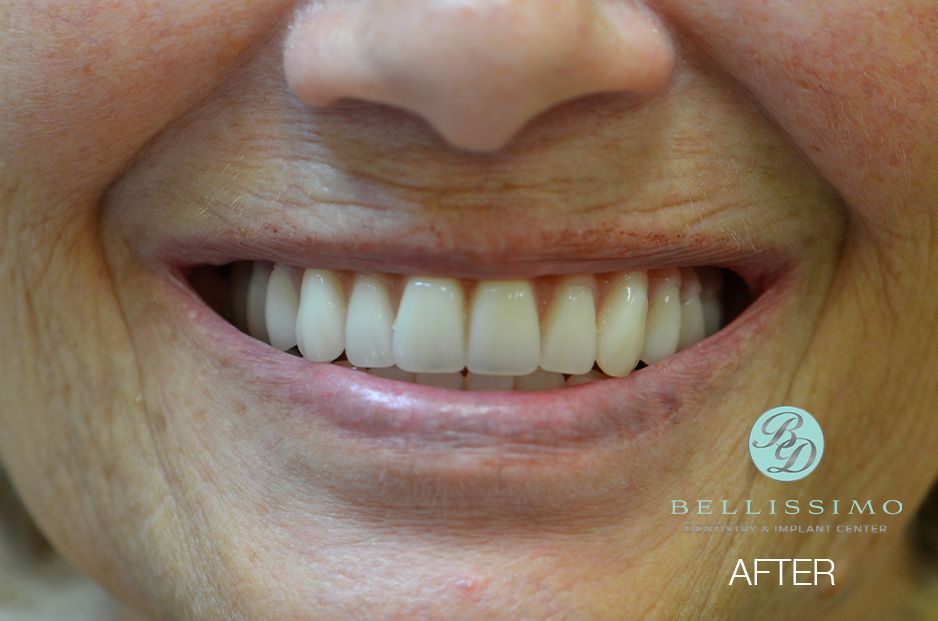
<point x="786" y="443"/>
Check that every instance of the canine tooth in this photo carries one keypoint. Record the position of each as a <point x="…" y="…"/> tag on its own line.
<point x="394" y="373"/>
<point x="368" y="324"/>
<point x="586" y="378"/>
<point x="240" y="278"/>
<point x="283" y="301"/>
<point x="622" y="324"/>
<point x="539" y="380"/>
<point x="429" y="331"/>
<point x="504" y="336"/>
<point x="475" y="381"/>
<point x="663" y="323"/>
<point x="453" y="381"/>
<point x="569" y="335"/>
<point x="692" y="312"/>
<point x="320" y="321"/>
<point x="257" y="299"/>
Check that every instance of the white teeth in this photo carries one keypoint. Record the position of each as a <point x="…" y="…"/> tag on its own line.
<point x="622" y="323"/>
<point x="283" y="301"/>
<point x="663" y="324"/>
<point x="368" y="325"/>
<point x="586" y="378"/>
<point x="504" y="336"/>
<point x="692" y="313"/>
<point x="569" y="335"/>
<point x="429" y="335"/>
<point x="539" y="380"/>
<point x="497" y="340"/>
<point x="257" y="299"/>
<point x="474" y="381"/>
<point x="453" y="381"/>
<point x="394" y="373"/>
<point x="320" y="321"/>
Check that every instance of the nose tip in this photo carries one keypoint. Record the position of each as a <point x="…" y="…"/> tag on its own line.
<point x="476" y="70"/>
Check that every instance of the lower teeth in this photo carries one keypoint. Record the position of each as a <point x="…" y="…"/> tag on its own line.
<point x="464" y="380"/>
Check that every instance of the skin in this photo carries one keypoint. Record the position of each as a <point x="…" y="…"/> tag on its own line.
<point x="803" y="126"/>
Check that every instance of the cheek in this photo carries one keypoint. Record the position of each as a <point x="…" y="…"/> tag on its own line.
<point x="109" y="75"/>
<point x="848" y="81"/>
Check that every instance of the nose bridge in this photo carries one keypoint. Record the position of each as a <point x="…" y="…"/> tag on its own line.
<point x="476" y="70"/>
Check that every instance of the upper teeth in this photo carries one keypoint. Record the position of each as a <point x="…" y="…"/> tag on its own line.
<point x="530" y="329"/>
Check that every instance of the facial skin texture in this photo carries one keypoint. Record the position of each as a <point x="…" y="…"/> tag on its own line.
<point x="147" y="460"/>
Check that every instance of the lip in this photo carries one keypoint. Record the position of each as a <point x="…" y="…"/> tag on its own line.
<point x="360" y="406"/>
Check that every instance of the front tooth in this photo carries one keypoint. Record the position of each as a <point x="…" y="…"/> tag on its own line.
<point x="453" y="381"/>
<point x="692" y="312"/>
<point x="504" y="336"/>
<point x="539" y="380"/>
<point x="283" y="301"/>
<point x="320" y="321"/>
<point x="394" y="373"/>
<point x="569" y="342"/>
<point x="240" y="279"/>
<point x="663" y="324"/>
<point x="368" y="324"/>
<point x="257" y="299"/>
<point x="429" y="331"/>
<point x="475" y="381"/>
<point x="586" y="378"/>
<point x="622" y="324"/>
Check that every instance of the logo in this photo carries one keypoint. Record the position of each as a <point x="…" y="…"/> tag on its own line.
<point x="786" y="443"/>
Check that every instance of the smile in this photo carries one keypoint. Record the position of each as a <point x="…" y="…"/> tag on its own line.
<point x="463" y="361"/>
<point x="480" y="335"/>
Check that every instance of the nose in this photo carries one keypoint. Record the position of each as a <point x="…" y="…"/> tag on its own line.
<point x="476" y="70"/>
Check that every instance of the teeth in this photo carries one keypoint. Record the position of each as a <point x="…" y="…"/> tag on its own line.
<point x="283" y="302"/>
<point x="539" y="380"/>
<point x="394" y="373"/>
<point x="569" y="341"/>
<point x="453" y="381"/>
<point x="429" y="335"/>
<point x="257" y="300"/>
<point x="475" y="381"/>
<point x="622" y="324"/>
<point x="692" y="312"/>
<point x="586" y="378"/>
<point x="320" y="322"/>
<point x="504" y="336"/>
<point x="663" y="323"/>
<point x="368" y="325"/>
<point x="500" y="339"/>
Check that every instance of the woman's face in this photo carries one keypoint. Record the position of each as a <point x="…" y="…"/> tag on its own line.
<point x="200" y="473"/>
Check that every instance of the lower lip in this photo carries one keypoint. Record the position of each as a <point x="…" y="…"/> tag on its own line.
<point x="415" y="416"/>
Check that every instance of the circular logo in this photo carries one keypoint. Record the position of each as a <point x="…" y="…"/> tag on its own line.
<point x="786" y="443"/>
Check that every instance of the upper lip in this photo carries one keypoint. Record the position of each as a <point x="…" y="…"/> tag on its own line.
<point x="472" y="248"/>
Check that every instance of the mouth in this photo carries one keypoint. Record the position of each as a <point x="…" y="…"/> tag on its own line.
<point x="479" y="335"/>
<point x="428" y="359"/>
